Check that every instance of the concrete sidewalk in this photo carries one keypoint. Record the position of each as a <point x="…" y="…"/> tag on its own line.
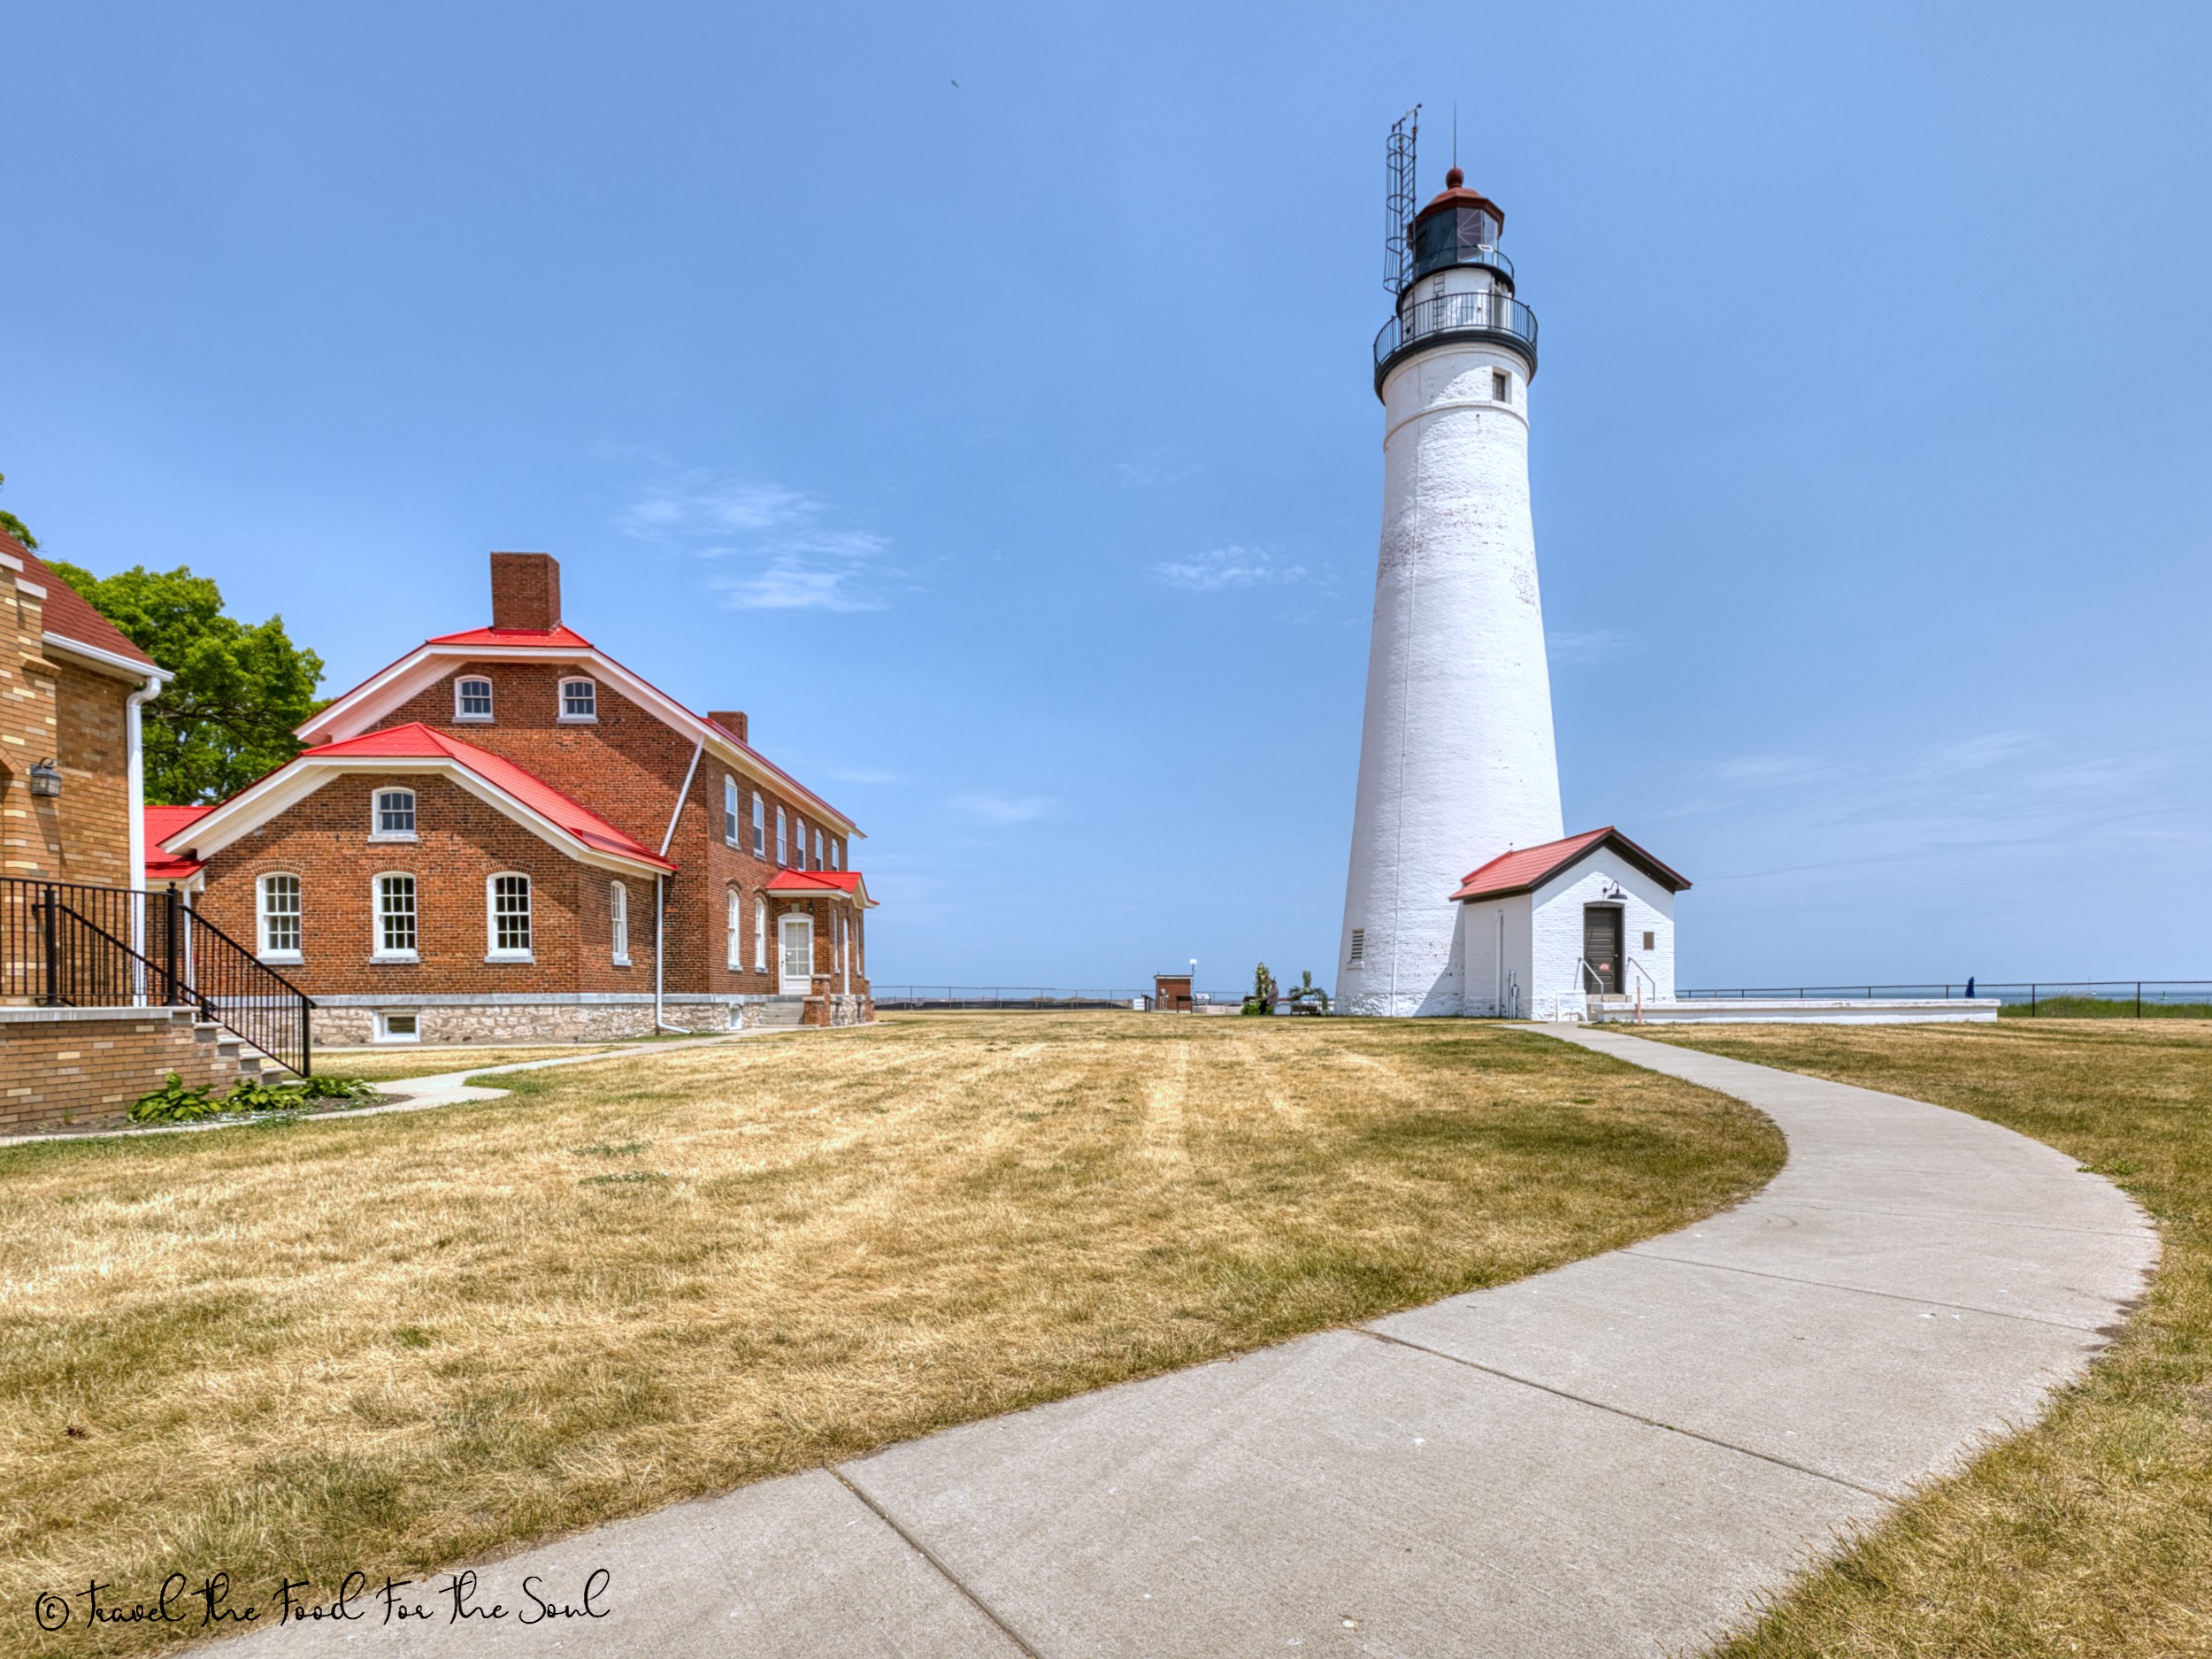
<point x="1613" y="1458"/>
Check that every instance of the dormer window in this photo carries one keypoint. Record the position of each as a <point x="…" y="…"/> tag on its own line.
<point x="579" y="699"/>
<point x="472" y="699"/>
<point x="393" y="818"/>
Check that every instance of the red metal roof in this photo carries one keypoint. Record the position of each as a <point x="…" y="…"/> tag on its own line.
<point x="1527" y="868"/>
<point x="563" y="639"/>
<point x="567" y="639"/>
<point x="416" y="740"/>
<point x="799" y="883"/>
<point x="69" y="614"/>
<point x="162" y="822"/>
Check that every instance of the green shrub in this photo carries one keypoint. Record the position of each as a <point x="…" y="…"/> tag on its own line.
<point x="174" y="1103"/>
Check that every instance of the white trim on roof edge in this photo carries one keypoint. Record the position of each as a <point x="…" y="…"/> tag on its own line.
<point x="286" y="788"/>
<point x="106" y="659"/>
<point x="359" y="709"/>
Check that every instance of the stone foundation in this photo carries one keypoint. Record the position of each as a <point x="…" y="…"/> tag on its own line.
<point x="72" y="1068"/>
<point x="351" y="1021"/>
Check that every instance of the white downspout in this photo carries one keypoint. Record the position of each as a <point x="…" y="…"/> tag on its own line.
<point x="660" y="905"/>
<point x="134" y="746"/>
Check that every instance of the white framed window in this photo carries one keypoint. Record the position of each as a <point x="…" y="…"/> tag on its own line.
<point x="818" y="849"/>
<point x="277" y="910"/>
<point x="395" y="940"/>
<point x="782" y="857"/>
<point x="837" y="852"/>
<point x="733" y="930"/>
<point x="837" y="948"/>
<point x="398" y="1028"/>
<point x="798" y="843"/>
<point x="760" y="935"/>
<point x="472" y="698"/>
<point x="579" y="699"/>
<point x="856" y="947"/>
<point x="760" y="826"/>
<point x="729" y="809"/>
<point x="507" y="900"/>
<point x="392" y="816"/>
<point x="1501" y="386"/>
<point x="619" y="922"/>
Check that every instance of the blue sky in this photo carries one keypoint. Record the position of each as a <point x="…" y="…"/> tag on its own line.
<point x="982" y="401"/>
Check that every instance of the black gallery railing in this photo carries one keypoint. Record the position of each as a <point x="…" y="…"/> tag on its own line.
<point x="66" y="945"/>
<point x="1488" y="311"/>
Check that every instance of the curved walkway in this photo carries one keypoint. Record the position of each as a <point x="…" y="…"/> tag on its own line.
<point x="1612" y="1458"/>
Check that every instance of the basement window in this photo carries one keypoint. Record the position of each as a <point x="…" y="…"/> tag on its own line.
<point x="398" y="1028"/>
<point x="472" y="699"/>
<point x="579" y="699"/>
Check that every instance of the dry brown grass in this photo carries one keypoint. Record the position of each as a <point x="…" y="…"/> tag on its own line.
<point x="395" y="1341"/>
<point x="381" y="1065"/>
<point x="2092" y="1533"/>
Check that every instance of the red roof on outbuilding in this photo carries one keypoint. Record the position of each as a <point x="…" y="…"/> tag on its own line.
<point x="1528" y="868"/>
<point x="416" y="740"/>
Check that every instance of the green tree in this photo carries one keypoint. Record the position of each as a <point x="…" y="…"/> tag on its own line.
<point x="240" y="687"/>
<point x="14" y="525"/>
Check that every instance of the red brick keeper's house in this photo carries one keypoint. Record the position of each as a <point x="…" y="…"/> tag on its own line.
<point x="508" y="834"/>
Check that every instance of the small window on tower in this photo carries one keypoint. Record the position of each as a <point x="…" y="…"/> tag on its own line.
<point x="1501" y="386"/>
<point x="1359" y="948"/>
<point x="1648" y="941"/>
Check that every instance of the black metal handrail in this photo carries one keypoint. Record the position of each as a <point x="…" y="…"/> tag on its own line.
<point x="1488" y="313"/>
<point x="66" y="944"/>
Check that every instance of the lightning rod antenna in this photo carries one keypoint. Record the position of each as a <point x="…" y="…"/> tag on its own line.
<point x="1398" y="201"/>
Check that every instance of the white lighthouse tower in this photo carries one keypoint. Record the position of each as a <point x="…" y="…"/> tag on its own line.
<point x="1456" y="761"/>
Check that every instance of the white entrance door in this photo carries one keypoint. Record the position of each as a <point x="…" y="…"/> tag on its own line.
<point x="797" y="934"/>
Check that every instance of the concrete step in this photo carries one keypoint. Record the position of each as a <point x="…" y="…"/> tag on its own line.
<point x="783" y="1013"/>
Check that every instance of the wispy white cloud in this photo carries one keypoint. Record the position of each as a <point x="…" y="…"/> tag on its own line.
<point x="1574" y="647"/>
<point x="1003" y="809"/>
<point x="1231" y="566"/>
<point x="793" y="554"/>
<point x="861" y="775"/>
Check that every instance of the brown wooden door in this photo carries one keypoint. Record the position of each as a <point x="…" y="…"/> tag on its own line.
<point x="1601" y="947"/>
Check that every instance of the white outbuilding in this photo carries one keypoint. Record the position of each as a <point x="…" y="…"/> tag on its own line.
<point x="1543" y="931"/>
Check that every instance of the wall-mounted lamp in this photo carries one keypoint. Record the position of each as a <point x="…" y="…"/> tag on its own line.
<point x="1611" y="890"/>
<point x="45" y="779"/>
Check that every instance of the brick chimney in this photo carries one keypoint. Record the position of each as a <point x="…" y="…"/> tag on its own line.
<point x="525" y="591"/>
<point x="730" y="720"/>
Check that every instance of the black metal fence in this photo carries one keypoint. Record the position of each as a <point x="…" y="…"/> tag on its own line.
<point x="66" y="945"/>
<point x="2137" y="999"/>
<point x="1043" y="998"/>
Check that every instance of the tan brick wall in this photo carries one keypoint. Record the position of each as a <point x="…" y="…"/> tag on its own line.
<point x="52" y="707"/>
<point x="92" y="747"/>
<point x="60" y="1073"/>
